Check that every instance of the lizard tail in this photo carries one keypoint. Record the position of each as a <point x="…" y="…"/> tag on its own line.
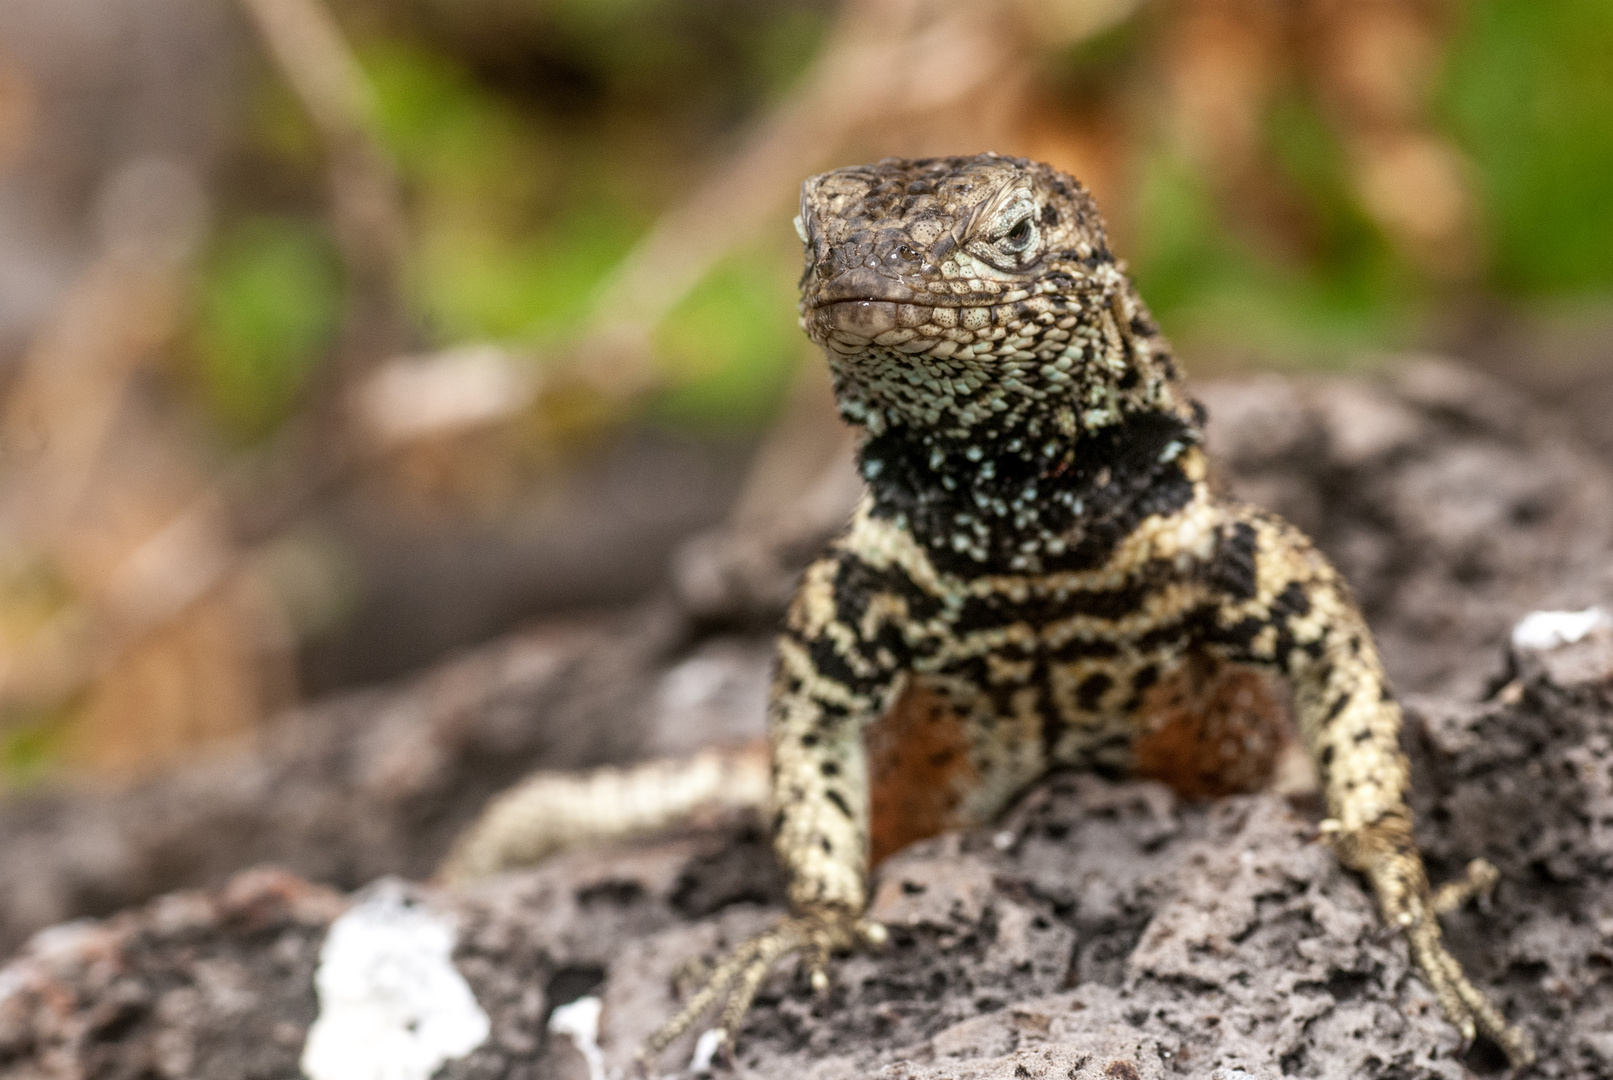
<point x="550" y="812"/>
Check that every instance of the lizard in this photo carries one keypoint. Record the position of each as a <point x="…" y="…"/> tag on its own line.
<point x="1041" y="553"/>
<point x="1042" y="574"/>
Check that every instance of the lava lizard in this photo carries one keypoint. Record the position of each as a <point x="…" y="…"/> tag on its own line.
<point x="1040" y="567"/>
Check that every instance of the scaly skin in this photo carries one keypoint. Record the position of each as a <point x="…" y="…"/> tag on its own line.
<point x="1039" y="551"/>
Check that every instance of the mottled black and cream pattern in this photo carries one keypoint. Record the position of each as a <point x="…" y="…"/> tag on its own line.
<point x="1039" y="546"/>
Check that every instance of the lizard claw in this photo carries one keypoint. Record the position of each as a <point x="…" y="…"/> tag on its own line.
<point x="870" y="934"/>
<point x="1463" y="1003"/>
<point x="1401" y="884"/>
<point x="738" y="976"/>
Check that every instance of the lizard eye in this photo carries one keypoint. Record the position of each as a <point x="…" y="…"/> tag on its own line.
<point x="1019" y="237"/>
<point x="1010" y="241"/>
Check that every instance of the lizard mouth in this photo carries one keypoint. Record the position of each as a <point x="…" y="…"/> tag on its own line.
<point x="848" y="325"/>
<point x="861" y="304"/>
<point x="866" y="319"/>
<point x="857" y="309"/>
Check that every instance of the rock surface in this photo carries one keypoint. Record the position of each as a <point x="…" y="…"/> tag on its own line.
<point x="1103" y="930"/>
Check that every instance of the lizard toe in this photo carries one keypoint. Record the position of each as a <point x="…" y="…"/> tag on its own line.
<point x="735" y="980"/>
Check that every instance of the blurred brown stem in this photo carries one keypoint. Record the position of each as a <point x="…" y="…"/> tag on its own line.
<point x="367" y="210"/>
<point x="205" y="547"/>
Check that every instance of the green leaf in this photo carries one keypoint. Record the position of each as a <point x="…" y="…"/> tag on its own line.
<point x="732" y="346"/>
<point x="270" y="297"/>
<point x="1529" y="93"/>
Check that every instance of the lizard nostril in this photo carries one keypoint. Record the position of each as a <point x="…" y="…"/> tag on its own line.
<point x="900" y="258"/>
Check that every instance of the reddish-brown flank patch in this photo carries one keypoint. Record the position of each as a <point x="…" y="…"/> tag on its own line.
<point x="918" y="770"/>
<point x="1212" y="728"/>
<point x="1209" y="729"/>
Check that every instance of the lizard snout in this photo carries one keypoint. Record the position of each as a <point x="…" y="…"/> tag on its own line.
<point x="857" y="305"/>
<point x="866" y="319"/>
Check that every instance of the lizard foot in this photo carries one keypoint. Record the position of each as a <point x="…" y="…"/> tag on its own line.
<point x="738" y="976"/>
<point x="1396" y="871"/>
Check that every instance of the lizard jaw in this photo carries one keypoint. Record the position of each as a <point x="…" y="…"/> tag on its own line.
<point x="857" y="325"/>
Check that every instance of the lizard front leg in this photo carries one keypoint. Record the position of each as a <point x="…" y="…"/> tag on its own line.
<point x="1284" y="605"/>
<point x="837" y="666"/>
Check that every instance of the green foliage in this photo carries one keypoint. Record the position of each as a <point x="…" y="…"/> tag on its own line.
<point x="717" y="57"/>
<point x="731" y="346"/>
<point x="1529" y="94"/>
<point x="450" y="136"/>
<point x="513" y="228"/>
<point x="1207" y="282"/>
<point x="517" y="221"/>
<point x="481" y="284"/>
<point x="269" y="303"/>
<point x="1095" y="67"/>
<point x="1351" y="264"/>
<point x="31" y="744"/>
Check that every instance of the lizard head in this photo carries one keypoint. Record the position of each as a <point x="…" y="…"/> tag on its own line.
<point x="972" y="296"/>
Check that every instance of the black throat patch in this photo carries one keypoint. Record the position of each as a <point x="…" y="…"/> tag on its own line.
<point x="1016" y="505"/>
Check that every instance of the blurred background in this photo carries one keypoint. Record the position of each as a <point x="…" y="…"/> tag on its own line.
<point x="337" y="335"/>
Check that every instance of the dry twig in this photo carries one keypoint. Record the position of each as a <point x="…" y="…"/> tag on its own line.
<point x="204" y="548"/>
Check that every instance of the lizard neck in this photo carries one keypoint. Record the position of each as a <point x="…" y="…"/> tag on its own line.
<point x="1039" y="455"/>
<point x="1014" y="504"/>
